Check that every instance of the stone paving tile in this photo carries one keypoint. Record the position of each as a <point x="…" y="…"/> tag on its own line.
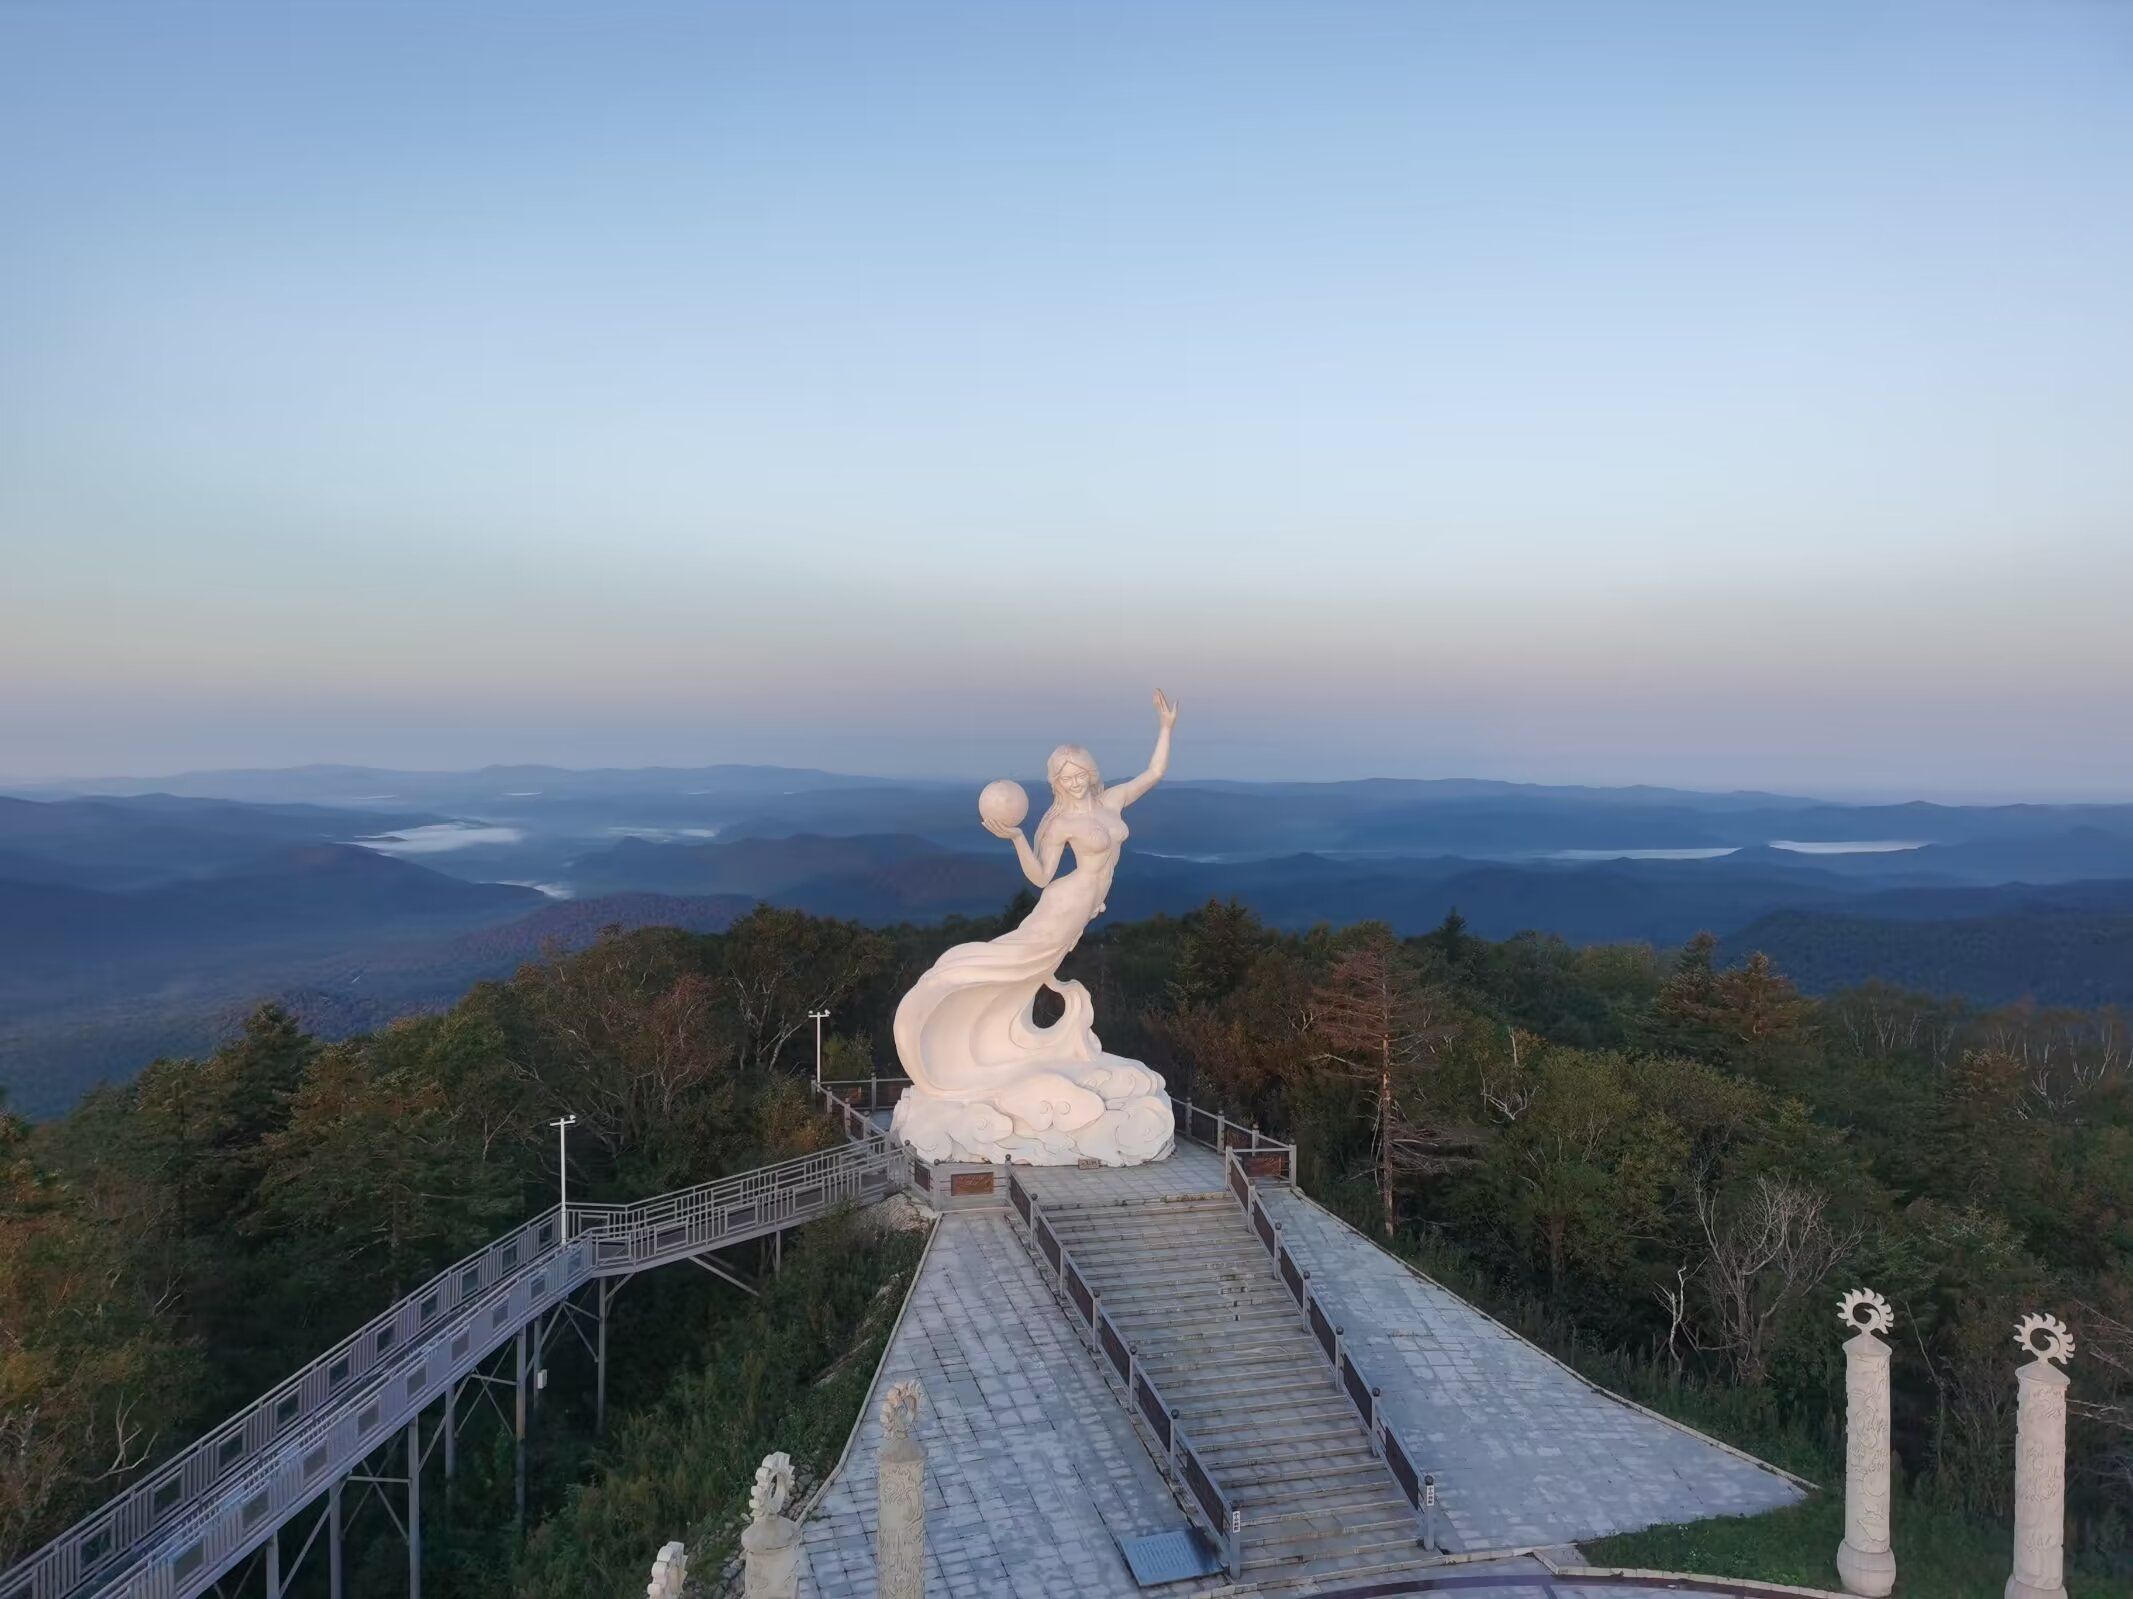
<point x="1033" y="1472"/>
<point x="1191" y="1169"/>
<point x="1526" y="1453"/>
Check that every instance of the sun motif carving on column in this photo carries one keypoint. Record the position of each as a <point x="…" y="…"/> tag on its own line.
<point x="2057" y="1343"/>
<point x="1863" y="1310"/>
<point x="773" y="1487"/>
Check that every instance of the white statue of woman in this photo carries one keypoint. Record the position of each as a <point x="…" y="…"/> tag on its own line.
<point x="988" y="1083"/>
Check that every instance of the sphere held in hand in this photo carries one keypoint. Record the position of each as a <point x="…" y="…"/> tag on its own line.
<point x="1003" y="803"/>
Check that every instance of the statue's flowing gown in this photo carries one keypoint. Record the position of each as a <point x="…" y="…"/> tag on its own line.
<point x="989" y="1083"/>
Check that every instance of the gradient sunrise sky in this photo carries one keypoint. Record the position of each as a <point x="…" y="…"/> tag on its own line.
<point x="1721" y="395"/>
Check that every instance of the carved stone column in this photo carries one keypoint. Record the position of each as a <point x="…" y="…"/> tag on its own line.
<point x="2040" y="1461"/>
<point x="669" y="1572"/>
<point x="1865" y="1562"/>
<point x="770" y="1544"/>
<point x="900" y="1548"/>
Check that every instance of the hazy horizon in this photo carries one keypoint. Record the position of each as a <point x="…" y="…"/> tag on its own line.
<point x="1697" y="396"/>
<point x="1018" y="762"/>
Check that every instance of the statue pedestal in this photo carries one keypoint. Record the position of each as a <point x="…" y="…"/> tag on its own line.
<point x="1032" y="1125"/>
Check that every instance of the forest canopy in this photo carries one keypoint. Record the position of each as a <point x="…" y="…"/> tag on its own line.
<point x="1664" y="1164"/>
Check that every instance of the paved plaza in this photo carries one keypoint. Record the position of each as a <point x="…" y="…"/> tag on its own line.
<point x="1034" y="1472"/>
<point x="1526" y="1452"/>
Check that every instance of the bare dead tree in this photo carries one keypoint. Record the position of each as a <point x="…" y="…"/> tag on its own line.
<point x="1764" y="1251"/>
<point x="1675" y="1302"/>
<point x="1509" y="1092"/>
<point x="1384" y="1027"/>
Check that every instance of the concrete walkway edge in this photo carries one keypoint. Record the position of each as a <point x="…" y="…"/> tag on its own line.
<point x="1676" y="1579"/>
<point x="866" y="1405"/>
<point x="1679" y="1426"/>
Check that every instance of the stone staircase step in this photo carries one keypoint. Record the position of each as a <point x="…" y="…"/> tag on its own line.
<point x="1365" y="1467"/>
<point x="1335" y="1502"/>
<point x="1248" y="1356"/>
<point x="1213" y="1426"/>
<point x="1216" y="1328"/>
<point x="1242" y="1387"/>
<point x="1244" y="1390"/>
<point x="1191" y="1289"/>
<point x="1247" y="1449"/>
<point x="1362" y="1555"/>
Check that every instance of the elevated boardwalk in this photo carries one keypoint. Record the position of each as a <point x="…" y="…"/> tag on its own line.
<point x="177" y="1531"/>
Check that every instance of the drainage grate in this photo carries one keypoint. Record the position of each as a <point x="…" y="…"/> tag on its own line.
<point x="1171" y="1556"/>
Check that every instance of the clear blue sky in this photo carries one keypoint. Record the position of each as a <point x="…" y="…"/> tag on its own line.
<point x="1719" y="394"/>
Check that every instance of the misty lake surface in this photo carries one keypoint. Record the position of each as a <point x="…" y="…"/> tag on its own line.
<point x="1850" y="846"/>
<point x="441" y="836"/>
<point x="1641" y="854"/>
<point x="1865" y="846"/>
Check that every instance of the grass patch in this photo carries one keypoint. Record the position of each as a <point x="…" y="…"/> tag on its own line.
<point x="1941" y="1552"/>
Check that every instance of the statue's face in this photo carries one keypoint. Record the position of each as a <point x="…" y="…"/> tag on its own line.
<point x="1074" y="782"/>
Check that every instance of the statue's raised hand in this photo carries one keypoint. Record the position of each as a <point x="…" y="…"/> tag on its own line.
<point x="1166" y="710"/>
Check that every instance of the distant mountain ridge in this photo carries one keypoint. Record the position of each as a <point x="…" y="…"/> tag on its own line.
<point x="2055" y="954"/>
<point x="131" y="920"/>
<point x="155" y="838"/>
<point x="304" y="898"/>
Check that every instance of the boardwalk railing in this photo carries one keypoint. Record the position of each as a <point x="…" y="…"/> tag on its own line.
<point x="768" y="1199"/>
<point x="103" y="1537"/>
<point x="1269" y="1157"/>
<point x="1243" y="1181"/>
<point x="173" y="1532"/>
<point x="1215" y="1508"/>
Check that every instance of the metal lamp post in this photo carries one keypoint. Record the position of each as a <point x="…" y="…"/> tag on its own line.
<point x="562" y="1128"/>
<point x="818" y="1017"/>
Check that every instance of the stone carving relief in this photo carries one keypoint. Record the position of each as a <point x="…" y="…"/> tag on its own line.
<point x="2040" y="1460"/>
<point x="770" y="1544"/>
<point x="900" y="1547"/>
<point x="1865" y="1561"/>
<point x="669" y="1572"/>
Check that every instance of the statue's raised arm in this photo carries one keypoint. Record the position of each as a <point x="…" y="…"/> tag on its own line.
<point x="1120" y="795"/>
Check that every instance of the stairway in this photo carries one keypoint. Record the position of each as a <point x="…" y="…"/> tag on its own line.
<point x="1191" y="1288"/>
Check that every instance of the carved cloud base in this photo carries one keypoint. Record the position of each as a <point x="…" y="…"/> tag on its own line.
<point x="1110" y="1110"/>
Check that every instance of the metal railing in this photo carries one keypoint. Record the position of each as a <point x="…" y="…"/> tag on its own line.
<point x="1242" y="1182"/>
<point x="865" y="1093"/>
<point x="691" y="1220"/>
<point x="104" y="1536"/>
<point x="1215" y="1507"/>
<point x="1219" y="1133"/>
<point x="222" y="1494"/>
<point x="853" y="1110"/>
